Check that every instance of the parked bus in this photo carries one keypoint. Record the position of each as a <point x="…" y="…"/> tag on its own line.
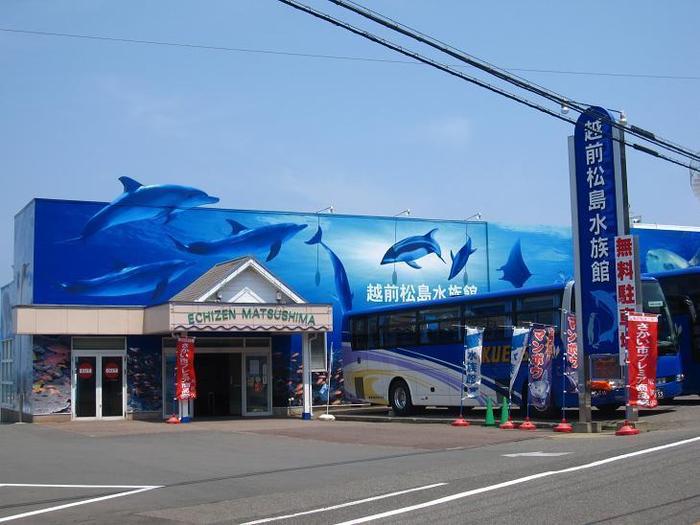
<point x="411" y="355"/>
<point x="682" y="290"/>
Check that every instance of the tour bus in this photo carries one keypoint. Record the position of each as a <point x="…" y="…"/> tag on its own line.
<point x="411" y="355"/>
<point x="682" y="291"/>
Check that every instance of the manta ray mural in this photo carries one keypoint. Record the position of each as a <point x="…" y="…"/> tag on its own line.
<point x="515" y="271"/>
<point x="410" y="249"/>
<point x="139" y="202"/>
<point x="244" y="240"/>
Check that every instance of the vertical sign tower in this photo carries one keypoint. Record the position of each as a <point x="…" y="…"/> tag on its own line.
<point x="599" y="214"/>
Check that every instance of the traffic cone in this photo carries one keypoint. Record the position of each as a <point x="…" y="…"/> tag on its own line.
<point x="527" y="425"/>
<point x="564" y="426"/>
<point x="506" y="421"/>
<point x="627" y="429"/>
<point x="504" y="411"/>
<point x="173" y="420"/>
<point x="490" y="420"/>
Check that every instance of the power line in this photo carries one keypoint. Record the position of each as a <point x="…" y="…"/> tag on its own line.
<point x="505" y="75"/>
<point x="278" y="52"/>
<point x="451" y="71"/>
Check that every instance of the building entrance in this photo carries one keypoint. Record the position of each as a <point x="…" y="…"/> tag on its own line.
<point x="218" y="385"/>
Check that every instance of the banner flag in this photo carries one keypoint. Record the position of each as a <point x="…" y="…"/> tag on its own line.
<point x="642" y="353"/>
<point x="517" y="350"/>
<point x="185" y="381"/>
<point x="571" y="354"/>
<point x="540" y="366"/>
<point x="473" y="341"/>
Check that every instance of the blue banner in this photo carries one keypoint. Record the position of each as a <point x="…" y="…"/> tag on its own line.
<point x="473" y="342"/>
<point x="517" y="350"/>
<point x="596" y="222"/>
<point x="540" y="366"/>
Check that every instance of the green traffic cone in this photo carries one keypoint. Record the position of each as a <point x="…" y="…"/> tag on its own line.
<point x="490" y="420"/>
<point x="504" y="411"/>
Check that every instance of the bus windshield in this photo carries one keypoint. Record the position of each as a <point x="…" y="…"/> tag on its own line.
<point x="655" y="303"/>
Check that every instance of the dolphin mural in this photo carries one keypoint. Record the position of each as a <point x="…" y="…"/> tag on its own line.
<point x="607" y="301"/>
<point x="342" y="285"/>
<point x="131" y="280"/>
<point x="411" y="248"/>
<point x="459" y="261"/>
<point x="515" y="271"/>
<point x="662" y="260"/>
<point x="139" y="202"/>
<point x="244" y="240"/>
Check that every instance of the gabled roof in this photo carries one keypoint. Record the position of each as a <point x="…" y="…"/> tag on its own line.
<point x="222" y="273"/>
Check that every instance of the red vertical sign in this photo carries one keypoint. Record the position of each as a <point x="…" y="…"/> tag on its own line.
<point x="641" y="348"/>
<point x="627" y="285"/>
<point x="185" y="381"/>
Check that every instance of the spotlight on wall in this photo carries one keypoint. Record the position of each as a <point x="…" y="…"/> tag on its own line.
<point x="278" y="296"/>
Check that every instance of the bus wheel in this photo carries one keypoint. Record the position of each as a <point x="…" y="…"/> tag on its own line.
<point x="400" y="398"/>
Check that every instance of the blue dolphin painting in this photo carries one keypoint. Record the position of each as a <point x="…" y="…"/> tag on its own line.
<point x="342" y="285"/>
<point x="243" y="240"/>
<point x="515" y="271"/>
<point x="459" y="261"/>
<point x="139" y="202"/>
<point x="131" y="280"/>
<point x="606" y="300"/>
<point x="411" y="248"/>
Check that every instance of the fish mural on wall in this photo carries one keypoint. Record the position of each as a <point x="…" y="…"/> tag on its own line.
<point x="459" y="261"/>
<point x="608" y="302"/>
<point x="410" y="249"/>
<point x="244" y="240"/>
<point x="515" y="271"/>
<point x="131" y="280"/>
<point x="662" y="260"/>
<point x="139" y="202"/>
<point x="342" y="285"/>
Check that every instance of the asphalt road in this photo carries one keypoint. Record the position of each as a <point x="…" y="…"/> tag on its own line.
<point x="238" y="472"/>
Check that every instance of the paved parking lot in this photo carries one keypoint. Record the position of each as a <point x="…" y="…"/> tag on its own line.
<point x="242" y="470"/>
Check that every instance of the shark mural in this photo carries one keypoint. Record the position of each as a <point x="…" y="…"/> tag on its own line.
<point x="342" y="285"/>
<point x="515" y="271"/>
<point x="151" y="278"/>
<point x="662" y="260"/>
<point x="459" y="261"/>
<point x="243" y="240"/>
<point x="410" y="249"/>
<point x="139" y="202"/>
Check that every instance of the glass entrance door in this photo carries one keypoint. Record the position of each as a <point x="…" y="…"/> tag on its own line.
<point x="98" y="385"/>
<point x="258" y="399"/>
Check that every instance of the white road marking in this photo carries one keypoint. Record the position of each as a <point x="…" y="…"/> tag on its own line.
<point x="137" y="489"/>
<point x="538" y="454"/>
<point x="517" y="481"/>
<point x="342" y="505"/>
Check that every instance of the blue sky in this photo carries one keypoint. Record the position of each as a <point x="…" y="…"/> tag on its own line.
<point x="291" y="133"/>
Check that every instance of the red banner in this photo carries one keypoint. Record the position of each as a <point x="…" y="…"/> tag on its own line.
<point x="641" y="349"/>
<point x="185" y="381"/>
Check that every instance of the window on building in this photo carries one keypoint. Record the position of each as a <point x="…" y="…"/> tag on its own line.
<point x="317" y="350"/>
<point x="7" y="374"/>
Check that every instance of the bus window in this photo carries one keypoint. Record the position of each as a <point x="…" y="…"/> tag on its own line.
<point x="655" y="303"/>
<point x="543" y="309"/>
<point x="439" y="325"/>
<point x="372" y="332"/>
<point x="496" y="317"/>
<point x="398" y="329"/>
<point x="359" y="333"/>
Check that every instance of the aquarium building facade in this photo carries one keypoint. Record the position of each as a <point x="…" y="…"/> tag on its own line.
<point x="101" y="292"/>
